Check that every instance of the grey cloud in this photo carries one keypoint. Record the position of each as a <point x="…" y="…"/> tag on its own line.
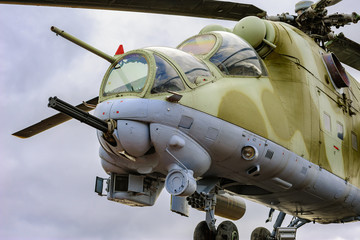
<point x="46" y="182"/>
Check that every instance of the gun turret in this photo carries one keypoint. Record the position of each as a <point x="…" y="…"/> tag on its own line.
<point x="84" y="117"/>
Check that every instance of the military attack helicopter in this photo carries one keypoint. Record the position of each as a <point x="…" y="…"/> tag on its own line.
<point x="168" y="132"/>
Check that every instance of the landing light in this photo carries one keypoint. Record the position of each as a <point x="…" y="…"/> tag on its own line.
<point x="249" y="153"/>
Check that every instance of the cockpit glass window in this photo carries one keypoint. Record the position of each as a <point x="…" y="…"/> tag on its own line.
<point x="166" y="78"/>
<point x="191" y="65"/>
<point x="128" y="75"/>
<point x="237" y="57"/>
<point x="199" y="45"/>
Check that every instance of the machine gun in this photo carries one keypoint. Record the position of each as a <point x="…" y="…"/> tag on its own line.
<point x="82" y="116"/>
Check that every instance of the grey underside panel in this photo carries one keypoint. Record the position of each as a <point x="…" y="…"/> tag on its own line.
<point x="277" y="178"/>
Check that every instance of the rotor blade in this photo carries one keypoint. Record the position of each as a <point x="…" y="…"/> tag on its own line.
<point x="194" y="8"/>
<point x="346" y="50"/>
<point x="324" y="3"/>
<point x="333" y="2"/>
<point x="53" y="121"/>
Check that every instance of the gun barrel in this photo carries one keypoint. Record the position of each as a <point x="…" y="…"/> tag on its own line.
<point x="78" y="114"/>
<point x="88" y="47"/>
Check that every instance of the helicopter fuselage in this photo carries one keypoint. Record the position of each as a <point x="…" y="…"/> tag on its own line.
<point x="302" y="129"/>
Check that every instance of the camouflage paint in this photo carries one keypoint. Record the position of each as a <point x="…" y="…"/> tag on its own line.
<point x="287" y="107"/>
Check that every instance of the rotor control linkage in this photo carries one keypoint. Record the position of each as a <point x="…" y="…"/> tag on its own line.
<point x="82" y="116"/>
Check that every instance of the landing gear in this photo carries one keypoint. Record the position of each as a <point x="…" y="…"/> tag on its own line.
<point x="260" y="233"/>
<point x="227" y="230"/>
<point x="202" y="232"/>
<point x="207" y="229"/>
<point x="206" y="198"/>
<point x="279" y="233"/>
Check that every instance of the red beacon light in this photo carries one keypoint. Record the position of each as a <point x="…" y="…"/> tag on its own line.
<point x="120" y="50"/>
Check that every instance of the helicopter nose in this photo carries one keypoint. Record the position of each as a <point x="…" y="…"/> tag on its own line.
<point x="134" y="137"/>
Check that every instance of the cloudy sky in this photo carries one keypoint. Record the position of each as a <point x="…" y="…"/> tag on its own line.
<point x="47" y="182"/>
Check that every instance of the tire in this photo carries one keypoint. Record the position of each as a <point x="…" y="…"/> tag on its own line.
<point x="227" y="230"/>
<point x="260" y="233"/>
<point x="202" y="232"/>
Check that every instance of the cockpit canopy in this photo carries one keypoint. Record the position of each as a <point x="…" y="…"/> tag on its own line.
<point x="166" y="77"/>
<point x="189" y="64"/>
<point x="163" y="69"/>
<point x="199" y="45"/>
<point x="234" y="56"/>
<point x="128" y="75"/>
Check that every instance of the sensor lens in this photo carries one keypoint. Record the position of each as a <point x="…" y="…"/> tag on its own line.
<point x="248" y="152"/>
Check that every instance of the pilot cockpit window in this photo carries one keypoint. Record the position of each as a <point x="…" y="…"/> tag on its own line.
<point x="166" y="78"/>
<point x="236" y="57"/>
<point x="128" y="75"/>
<point x="199" y="45"/>
<point x="192" y="66"/>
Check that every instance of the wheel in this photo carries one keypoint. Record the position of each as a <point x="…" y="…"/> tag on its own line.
<point x="202" y="232"/>
<point x="227" y="230"/>
<point x="260" y="233"/>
